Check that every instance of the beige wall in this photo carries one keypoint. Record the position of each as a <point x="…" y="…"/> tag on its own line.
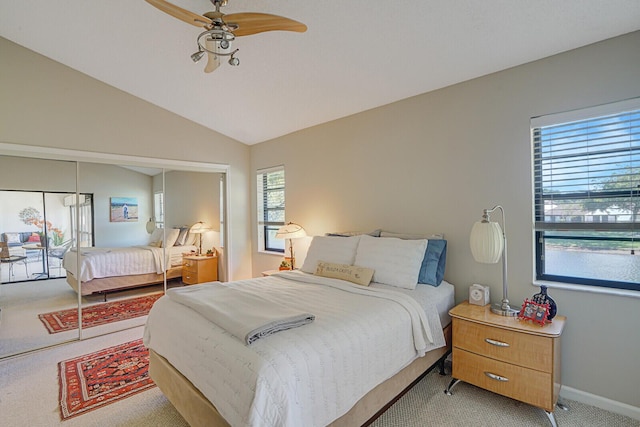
<point x="44" y="103"/>
<point x="433" y="162"/>
<point x="106" y="181"/>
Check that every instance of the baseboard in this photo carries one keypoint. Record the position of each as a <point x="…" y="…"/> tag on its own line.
<point x="600" y="402"/>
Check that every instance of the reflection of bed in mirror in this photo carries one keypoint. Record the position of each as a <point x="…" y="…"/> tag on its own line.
<point x="104" y="270"/>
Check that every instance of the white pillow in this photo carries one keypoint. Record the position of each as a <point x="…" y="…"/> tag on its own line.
<point x="156" y="237"/>
<point x="13" y="237"/>
<point x="339" y="250"/>
<point x="182" y="236"/>
<point x="396" y="262"/>
<point x="171" y="237"/>
<point x="191" y="239"/>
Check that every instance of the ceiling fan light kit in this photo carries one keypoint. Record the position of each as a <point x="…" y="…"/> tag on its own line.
<point x="221" y="30"/>
<point x="217" y="42"/>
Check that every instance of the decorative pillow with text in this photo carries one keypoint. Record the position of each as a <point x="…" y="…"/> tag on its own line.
<point x="351" y="273"/>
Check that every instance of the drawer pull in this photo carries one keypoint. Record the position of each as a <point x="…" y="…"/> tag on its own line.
<point x="496" y="343"/>
<point x="496" y="377"/>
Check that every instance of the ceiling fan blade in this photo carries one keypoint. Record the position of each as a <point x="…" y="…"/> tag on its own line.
<point x="254" y="23"/>
<point x="180" y="13"/>
<point x="213" y="61"/>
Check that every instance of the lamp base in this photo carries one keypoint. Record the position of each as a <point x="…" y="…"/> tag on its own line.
<point x="503" y="310"/>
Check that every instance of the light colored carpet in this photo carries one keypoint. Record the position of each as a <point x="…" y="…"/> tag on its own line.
<point x="427" y="405"/>
<point x="29" y="397"/>
<point x="20" y="328"/>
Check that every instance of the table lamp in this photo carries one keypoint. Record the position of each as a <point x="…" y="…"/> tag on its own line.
<point x="291" y="231"/>
<point x="199" y="228"/>
<point x="488" y="244"/>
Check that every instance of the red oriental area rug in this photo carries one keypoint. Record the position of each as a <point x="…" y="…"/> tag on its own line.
<point x="94" y="380"/>
<point x="99" y="314"/>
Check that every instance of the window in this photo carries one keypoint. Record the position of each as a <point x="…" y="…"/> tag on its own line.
<point x="85" y="222"/>
<point x="158" y="208"/>
<point x="587" y="196"/>
<point x="271" y="204"/>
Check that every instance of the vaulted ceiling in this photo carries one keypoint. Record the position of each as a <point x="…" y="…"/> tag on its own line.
<point x="356" y="54"/>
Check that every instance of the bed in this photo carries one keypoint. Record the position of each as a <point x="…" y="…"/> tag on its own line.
<point x="362" y="350"/>
<point x="105" y="270"/>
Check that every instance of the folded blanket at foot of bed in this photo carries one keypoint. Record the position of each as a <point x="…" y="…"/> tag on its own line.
<point x="243" y="314"/>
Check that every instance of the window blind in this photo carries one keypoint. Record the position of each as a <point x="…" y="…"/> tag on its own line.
<point x="272" y="200"/>
<point x="271" y="207"/>
<point x="587" y="173"/>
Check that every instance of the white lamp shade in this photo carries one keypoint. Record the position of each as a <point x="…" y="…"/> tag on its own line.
<point x="290" y="231"/>
<point x="151" y="225"/>
<point x="199" y="228"/>
<point x="487" y="242"/>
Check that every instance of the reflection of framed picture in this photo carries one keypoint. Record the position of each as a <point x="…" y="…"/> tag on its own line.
<point x="533" y="311"/>
<point x="124" y="209"/>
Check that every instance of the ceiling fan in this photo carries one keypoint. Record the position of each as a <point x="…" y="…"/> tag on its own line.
<point x="221" y="29"/>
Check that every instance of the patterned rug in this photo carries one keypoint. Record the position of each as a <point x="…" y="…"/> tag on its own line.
<point x="91" y="381"/>
<point x="99" y="314"/>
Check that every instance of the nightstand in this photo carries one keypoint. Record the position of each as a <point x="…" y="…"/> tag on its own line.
<point x="508" y="356"/>
<point x="199" y="269"/>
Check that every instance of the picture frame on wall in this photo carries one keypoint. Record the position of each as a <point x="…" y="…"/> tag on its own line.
<point x="123" y="209"/>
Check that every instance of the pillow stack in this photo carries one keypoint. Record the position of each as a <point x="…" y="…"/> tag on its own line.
<point x="402" y="261"/>
<point x="178" y="236"/>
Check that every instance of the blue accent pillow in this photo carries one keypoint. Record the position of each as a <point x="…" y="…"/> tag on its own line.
<point x="435" y="258"/>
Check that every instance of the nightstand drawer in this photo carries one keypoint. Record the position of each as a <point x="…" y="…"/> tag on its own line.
<point x="189" y="275"/>
<point x="509" y="346"/>
<point x="190" y="263"/>
<point x="191" y="269"/>
<point x="199" y="269"/>
<point x="523" y="384"/>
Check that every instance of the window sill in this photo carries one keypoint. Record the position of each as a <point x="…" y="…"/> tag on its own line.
<point x="280" y="254"/>
<point x="586" y="288"/>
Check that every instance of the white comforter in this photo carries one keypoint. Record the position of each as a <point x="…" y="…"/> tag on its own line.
<point x="307" y="376"/>
<point x="109" y="262"/>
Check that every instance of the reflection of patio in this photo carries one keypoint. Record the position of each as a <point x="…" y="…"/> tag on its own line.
<point x="37" y="264"/>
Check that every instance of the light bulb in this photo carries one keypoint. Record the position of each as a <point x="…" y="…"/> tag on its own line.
<point x="197" y="56"/>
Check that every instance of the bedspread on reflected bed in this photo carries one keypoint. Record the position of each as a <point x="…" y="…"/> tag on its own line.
<point x="109" y="262"/>
<point x="310" y="375"/>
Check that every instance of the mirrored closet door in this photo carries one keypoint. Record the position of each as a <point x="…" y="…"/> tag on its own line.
<point x="110" y="243"/>
<point x="38" y="308"/>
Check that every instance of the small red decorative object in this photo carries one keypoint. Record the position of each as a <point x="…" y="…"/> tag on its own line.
<point x="534" y="311"/>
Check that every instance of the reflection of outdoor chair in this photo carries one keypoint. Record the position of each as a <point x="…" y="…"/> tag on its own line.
<point x="58" y="252"/>
<point x="7" y="258"/>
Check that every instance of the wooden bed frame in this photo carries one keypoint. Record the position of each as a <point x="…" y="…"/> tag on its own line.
<point x="198" y="411"/>
<point x="120" y="283"/>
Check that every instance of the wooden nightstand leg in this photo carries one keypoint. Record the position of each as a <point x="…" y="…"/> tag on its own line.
<point x="451" y="385"/>
<point x="552" y="418"/>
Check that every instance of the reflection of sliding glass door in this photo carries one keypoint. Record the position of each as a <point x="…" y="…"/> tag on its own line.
<point x="82" y="227"/>
<point x="19" y="210"/>
<point x="38" y="227"/>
